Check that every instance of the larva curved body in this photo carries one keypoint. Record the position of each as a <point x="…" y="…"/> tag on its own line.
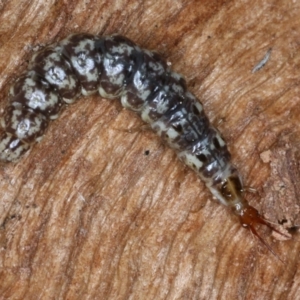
<point x="117" y="68"/>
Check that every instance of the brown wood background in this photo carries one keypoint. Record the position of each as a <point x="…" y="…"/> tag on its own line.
<point x="87" y="214"/>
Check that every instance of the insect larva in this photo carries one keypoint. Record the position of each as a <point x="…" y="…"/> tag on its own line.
<point x="117" y="68"/>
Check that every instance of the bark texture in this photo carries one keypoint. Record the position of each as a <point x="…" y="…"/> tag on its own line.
<point x="97" y="211"/>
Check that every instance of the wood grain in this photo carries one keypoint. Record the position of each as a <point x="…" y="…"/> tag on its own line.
<point x="95" y="211"/>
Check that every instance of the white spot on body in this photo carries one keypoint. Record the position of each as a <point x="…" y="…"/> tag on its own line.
<point x="163" y="103"/>
<point x="159" y="127"/>
<point x="123" y="48"/>
<point x="157" y="67"/>
<point x="145" y="114"/>
<point x="191" y="160"/>
<point x="177" y="88"/>
<point x="56" y="76"/>
<point x="22" y="128"/>
<point x="84" y="65"/>
<point x="172" y="133"/>
<point x="104" y="94"/>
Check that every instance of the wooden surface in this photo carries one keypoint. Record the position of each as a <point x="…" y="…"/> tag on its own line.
<point x="99" y="212"/>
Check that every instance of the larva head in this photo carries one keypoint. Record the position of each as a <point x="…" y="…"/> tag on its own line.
<point x="249" y="218"/>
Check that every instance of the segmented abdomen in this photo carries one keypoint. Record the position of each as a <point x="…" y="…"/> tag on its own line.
<point x="116" y="68"/>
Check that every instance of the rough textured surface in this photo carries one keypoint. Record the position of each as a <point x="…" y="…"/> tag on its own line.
<point x="95" y="210"/>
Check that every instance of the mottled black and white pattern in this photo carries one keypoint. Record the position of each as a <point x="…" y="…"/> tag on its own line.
<point x="83" y="64"/>
<point x="116" y="68"/>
